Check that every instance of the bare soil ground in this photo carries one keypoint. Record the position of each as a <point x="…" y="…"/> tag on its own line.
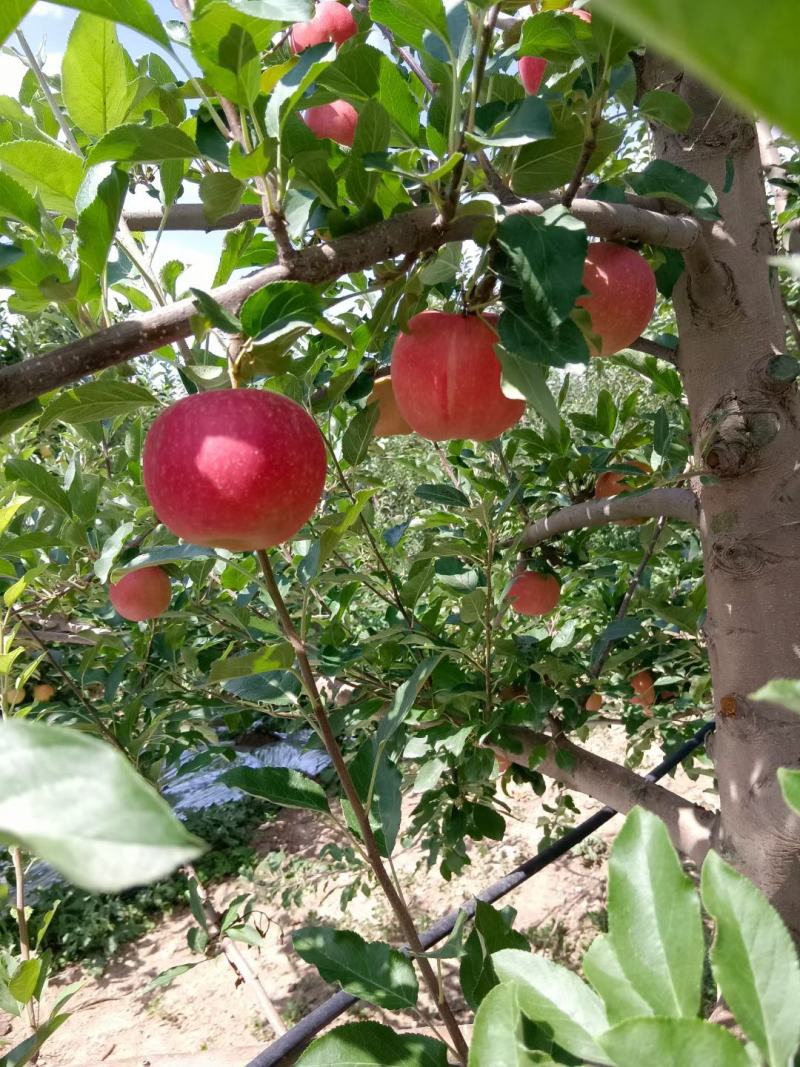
<point x="204" y="1020"/>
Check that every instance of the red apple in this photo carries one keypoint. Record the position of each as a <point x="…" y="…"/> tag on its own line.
<point x="336" y="121"/>
<point x="594" y="702"/>
<point x="446" y="378"/>
<point x="642" y="683"/>
<point x="534" y="594"/>
<point x="531" y="72"/>
<point x="611" y="483"/>
<point x="390" y="422"/>
<point x="142" y="594"/>
<point x="43" y="692"/>
<point x="234" y="468"/>
<point x="581" y="13"/>
<point x="622" y="295"/>
<point x="332" y="22"/>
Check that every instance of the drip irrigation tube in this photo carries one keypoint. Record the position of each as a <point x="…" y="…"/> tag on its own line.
<point x="285" y="1050"/>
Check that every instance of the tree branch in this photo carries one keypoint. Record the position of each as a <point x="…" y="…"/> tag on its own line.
<point x="411" y="232"/>
<point x="654" y="348"/>
<point x="691" y="826"/>
<point x="678" y="504"/>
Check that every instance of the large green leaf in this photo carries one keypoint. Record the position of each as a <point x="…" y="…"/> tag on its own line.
<point x="143" y="144"/>
<point x="602" y="967"/>
<point x="17" y="203"/>
<point x="268" y="658"/>
<point x="373" y="1045"/>
<point x="99" y="202"/>
<point x="77" y="803"/>
<point x="227" y="43"/>
<point x="409" y="19"/>
<point x="373" y="770"/>
<point x="40" y="483"/>
<point x="290" y="89"/>
<point x="373" y="131"/>
<point x="44" y="168"/>
<point x="755" y="963"/>
<point x="372" y="971"/>
<point x="498" y="1034"/>
<point x="279" y="785"/>
<point x="103" y="399"/>
<point x="548" y="164"/>
<point x="404" y="697"/>
<point x="492" y="931"/>
<point x="94" y="79"/>
<point x="11" y="15"/>
<point x="138" y="14"/>
<point x="279" y="307"/>
<point x="750" y="54"/>
<point x="783" y="691"/>
<point x="673" y="1043"/>
<point x="654" y="917"/>
<point x="790" y="787"/>
<point x="555" y="996"/>
<point x="663" y="179"/>
<point x="528" y="380"/>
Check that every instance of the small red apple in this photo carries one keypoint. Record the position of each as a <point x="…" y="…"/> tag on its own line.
<point x="332" y="22"/>
<point x="612" y="483"/>
<point x="43" y="692"/>
<point x="581" y="13"/>
<point x="240" y="469"/>
<point x="594" y="702"/>
<point x="15" y="696"/>
<point x="336" y="121"/>
<point x="142" y="594"/>
<point x="642" y="683"/>
<point x="531" y="72"/>
<point x="446" y="378"/>
<point x="534" y="594"/>
<point x="622" y="295"/>
<point x="390" y="422"/>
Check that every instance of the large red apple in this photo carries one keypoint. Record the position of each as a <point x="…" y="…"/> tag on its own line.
<point x="336" y="120"/>
<point x="531" y="72"/>
<point x="622" y="295"/>
<point x="446" y="378"/>
<point x="390" y="422"/>
<point x="332" y="22"/>
<point x="235" y="468"/>
<point x="534" y="594"/>
<point x="142" y="594"/>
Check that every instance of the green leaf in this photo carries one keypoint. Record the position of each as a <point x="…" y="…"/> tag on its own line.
<point x="220" y="194"/>
<point x="11" y="15"/>
<point x="157" y="557"/>
<point x="668" y="109"/>
<point x="556" y="996"/>
<point x="358" y="435"/>
<point x="40" y="483"/>
<point x="790" y="787"/>
<point x="161" y="981"/>
<point x="729" y="46"/>
<point x="23" y="985"/>
<point x="373" y="1045"/>
<point x="654" y="917"/>
<point x="409" y="19"/>
<point x="372" y="971"/>
<point x="554" y="37"/>
<point x="603" y="969"/>
<point x="142" y="144"/>
<point x="99" y="202"/>
<point x="782" y="691"/>
<point x="673" y="1043"/>
<point x="94" y="79"/>
<point x="76" y="803"/>
<point x="112" y="547"/>
<point x="26" y="1050"/>
<point x="46" y="170"/>
<point x="373" y="770"/>
<point x="492" y="931"/>
<point x="529" y="121"/>
<point x="663" y="179"/>
<point x="754" y="960"/>
<point x="17" y="203"/>
<point x="270" y="658"/>
<point x="498" y="1033"/>
<point x="292" y="86"/>
<point x="279" y="785"/>
<point x="445" y="495"/>
<point x="138" y="14"/>
<point x="219" y="316"/>
<point x="227" y="43"/>
<point x="373" y="131"/>
<point x="278" y="307"/>
<point x="404" y="697"/>
<point x="103" y="399"/>
<point x="545" y="165"/>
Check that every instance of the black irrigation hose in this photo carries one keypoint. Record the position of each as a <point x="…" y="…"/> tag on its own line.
<point x="283" y="1052"/>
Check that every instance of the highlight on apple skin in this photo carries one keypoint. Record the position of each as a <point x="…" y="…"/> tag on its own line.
<point x="337" y="121"/>
<point x="140" y="595"/>
<point x="240" y="469"/>
<point x="446" y="378"/>
<point x="534" y="594"/>
<point x="622" y="295"/>
<point x="531" y="73"/>
<point x="332" y="22"/>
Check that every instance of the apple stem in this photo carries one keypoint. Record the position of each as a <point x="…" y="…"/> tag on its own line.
<point x="392" y="893"/>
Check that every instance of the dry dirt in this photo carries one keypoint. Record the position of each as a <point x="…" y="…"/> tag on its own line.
<point x="204" y="1020"/>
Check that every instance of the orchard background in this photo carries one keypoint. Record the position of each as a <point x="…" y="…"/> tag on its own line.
<point x="412" y="386"/>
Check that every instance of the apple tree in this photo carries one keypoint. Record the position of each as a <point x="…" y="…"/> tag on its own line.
<point x="482" y="433"/>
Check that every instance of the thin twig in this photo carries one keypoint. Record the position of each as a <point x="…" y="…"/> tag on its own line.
<point x="58" y="114"/>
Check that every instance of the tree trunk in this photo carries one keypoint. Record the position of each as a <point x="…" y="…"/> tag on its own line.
<point x="746" y="432"/>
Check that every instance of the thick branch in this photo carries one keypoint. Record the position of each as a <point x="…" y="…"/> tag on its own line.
<point x="691" y="826"/>
<point x="412" y="232"/>
<point x="673" y="503"/>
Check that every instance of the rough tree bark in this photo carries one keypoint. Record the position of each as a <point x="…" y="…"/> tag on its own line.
<point x="746" y="432"/>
